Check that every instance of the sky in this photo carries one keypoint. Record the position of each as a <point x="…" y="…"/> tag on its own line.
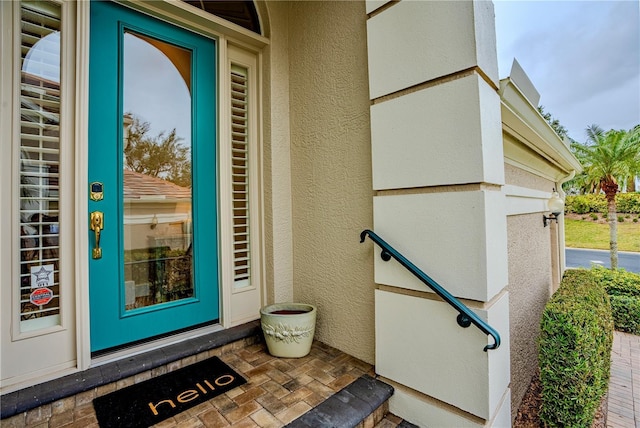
<point x="583" y="57"/>
<point x="154" y="90"/>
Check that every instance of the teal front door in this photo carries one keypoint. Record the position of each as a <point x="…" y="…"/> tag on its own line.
<point x="152" y="220"/>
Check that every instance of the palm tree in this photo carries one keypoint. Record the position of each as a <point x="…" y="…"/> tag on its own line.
<point x="608" y="159"/>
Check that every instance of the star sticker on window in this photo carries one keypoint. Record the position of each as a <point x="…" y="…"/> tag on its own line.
<point x="42" y="276"/>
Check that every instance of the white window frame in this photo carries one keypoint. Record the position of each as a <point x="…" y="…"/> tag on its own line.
<point x="240" y="304"/>
<point x="39" y="326"/>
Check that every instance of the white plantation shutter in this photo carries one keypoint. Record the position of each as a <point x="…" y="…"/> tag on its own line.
<point x="240" y="178"/>
<point x="39" y="171"/>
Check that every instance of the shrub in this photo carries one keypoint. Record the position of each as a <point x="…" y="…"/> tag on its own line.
<point x="620" y="219"/>
<point x="624" y="290"/>
<point x="628" y="202"/>
<point x="583" y="204"/>
<point x="617" y="282"/>
<point x="626" y="313"/>
<point x="597" y="203"/>
<point x="574" y="351"/>
<point x="593" y="216"/>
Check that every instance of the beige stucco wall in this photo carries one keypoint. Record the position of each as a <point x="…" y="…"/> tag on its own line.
<point x="519" y="177"/>
<point x="530" y="278"/>
<point x="327" y="112"/>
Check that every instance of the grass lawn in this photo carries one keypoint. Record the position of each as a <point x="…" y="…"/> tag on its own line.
<point x="588" y="234"/>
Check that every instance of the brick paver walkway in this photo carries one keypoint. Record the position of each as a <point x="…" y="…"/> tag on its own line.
<point x="624" y="386"/>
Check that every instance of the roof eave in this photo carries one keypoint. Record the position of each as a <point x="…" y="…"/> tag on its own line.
<point x="524" y="122"/>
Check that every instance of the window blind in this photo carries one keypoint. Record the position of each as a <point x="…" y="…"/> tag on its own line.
<point x="240" y="177"/>
<point x="39" y="171"/>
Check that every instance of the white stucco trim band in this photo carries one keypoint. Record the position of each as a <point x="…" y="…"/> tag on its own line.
<point x="460" y="74"/>
<point x="522" y="200"/>
<point x="373" y="5"/>
<point x="430" y="295"/>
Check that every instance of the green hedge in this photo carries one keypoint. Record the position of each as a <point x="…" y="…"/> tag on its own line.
<point x="628" y="203"/>
<point x="624" y="290"/>
<point x="575" y="351"/>
<point x="591" y="203"/>
<point x="583" y="204"/>
<point x="626" y="313"/>
<point x="617" y="282"/>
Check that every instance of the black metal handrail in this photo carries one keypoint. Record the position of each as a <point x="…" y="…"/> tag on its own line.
<point x="465" y="317"/>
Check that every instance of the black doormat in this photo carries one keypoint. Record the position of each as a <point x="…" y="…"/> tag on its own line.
<point x="154" y="400"/>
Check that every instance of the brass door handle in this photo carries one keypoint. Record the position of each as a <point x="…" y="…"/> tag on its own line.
<point x="97" y="224"/>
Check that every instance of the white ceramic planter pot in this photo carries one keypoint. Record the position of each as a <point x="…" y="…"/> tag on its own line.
<point x="288" y="328"/>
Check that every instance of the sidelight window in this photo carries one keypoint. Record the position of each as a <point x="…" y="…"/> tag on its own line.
<point x="39" y="165"/>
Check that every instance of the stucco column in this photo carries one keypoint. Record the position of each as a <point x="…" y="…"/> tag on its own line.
<point x="437" y="164"/>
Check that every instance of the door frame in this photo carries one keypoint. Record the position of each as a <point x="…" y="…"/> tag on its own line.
<point x="213" y="27"/>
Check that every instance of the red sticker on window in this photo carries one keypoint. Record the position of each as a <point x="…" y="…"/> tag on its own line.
<point x="41" y="296"/>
